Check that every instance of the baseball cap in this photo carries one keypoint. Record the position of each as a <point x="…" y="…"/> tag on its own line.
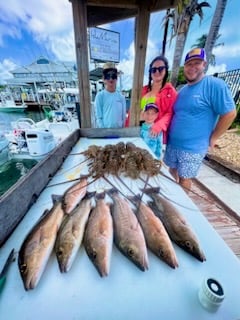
<point x="197" y="53"/>
<point x="151" y="106"/>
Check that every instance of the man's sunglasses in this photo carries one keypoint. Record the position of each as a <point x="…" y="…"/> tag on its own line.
<point x="109" y="76"/>
<point x="155" y="69"/>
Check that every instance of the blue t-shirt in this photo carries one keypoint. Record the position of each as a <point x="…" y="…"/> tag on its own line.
<point x="110" y="109"/>
<point x="196" y="112"/>
<point x="154" y="143"/>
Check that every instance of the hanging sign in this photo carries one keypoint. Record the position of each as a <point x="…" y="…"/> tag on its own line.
<point x="104" y="44"/>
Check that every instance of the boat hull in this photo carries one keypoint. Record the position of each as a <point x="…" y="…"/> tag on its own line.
<point x="12" y="109"/>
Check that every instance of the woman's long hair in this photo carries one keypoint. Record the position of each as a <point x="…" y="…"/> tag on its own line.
<point x="165" y="61"/>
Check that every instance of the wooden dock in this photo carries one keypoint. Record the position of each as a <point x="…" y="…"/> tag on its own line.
<point x="33" y="105"/>
<point x="223" y="220"/>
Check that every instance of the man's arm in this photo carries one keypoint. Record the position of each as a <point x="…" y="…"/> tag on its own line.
<point x="222" y="125"/>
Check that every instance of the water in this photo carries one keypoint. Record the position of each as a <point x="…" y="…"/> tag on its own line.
<point x="7" y="117"/>
<point x="13" y="170"/>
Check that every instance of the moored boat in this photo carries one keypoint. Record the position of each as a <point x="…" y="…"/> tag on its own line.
<point x="34" y="140"/>
<point x="8" y="104"/>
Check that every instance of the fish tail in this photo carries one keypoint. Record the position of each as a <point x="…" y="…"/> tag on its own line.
<point x="89" y="195"/>
<point x="84" y="176"/>
<point x="134" y="199"/>
<point x="151" y="190"/>
<point x="56" y="198"/>
<point x="112" y="191"/>
<point x="100" y="195"/>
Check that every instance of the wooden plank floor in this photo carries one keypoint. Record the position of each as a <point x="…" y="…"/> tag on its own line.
<point x="217" y="214"/>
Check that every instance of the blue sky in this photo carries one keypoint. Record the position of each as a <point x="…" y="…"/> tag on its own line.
<point x="33" y="28"/>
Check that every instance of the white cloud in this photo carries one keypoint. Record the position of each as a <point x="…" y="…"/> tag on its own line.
<point x="229" y="51"/>
<point x="216" y="69"/>
<point x="51" y="25"/>
<point x="126" y="66"/>
<point x="63" y="46"/>
<point x="6" y="66"/>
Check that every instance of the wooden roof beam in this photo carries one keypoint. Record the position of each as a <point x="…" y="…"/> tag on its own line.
<point x="114" y="3"/>
<point x="134" y="4"/>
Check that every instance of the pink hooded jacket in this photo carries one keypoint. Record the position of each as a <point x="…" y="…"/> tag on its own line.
<point x="164" y="100"/>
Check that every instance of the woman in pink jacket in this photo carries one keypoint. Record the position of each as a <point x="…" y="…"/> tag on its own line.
<point x="161" y="93"/>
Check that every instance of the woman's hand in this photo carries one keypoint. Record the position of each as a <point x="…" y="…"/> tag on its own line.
<point x="154" y="133"/>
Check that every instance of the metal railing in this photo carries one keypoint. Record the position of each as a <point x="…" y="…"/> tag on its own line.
<point x="232" y="78"/>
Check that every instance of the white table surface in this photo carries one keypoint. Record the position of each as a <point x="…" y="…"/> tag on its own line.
<point x="127" y="293"/>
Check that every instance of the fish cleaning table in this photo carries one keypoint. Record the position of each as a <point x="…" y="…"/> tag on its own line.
<point x="126" y="293"/>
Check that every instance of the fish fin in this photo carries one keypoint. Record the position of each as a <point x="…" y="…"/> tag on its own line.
<point x="155" y="209"/>
<point x="89" y="195"/>
<point x="84" y="176"/>
<point x="112" y="191"/>
<point x="151" y="190"/>
<point x="151" y="204"/>
<point x="100" y="195"/>
<point x="56" y="198"/>
<point x="45" y="213"/>
<point x="136" y="197"/>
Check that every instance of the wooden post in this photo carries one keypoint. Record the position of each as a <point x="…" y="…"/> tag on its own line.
<point x="79" y="9"/>
<point x="141" y="36"/>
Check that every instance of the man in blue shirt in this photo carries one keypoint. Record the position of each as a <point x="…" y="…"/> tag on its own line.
<point x="203" y="111"/>
<point x="110" y="105"/>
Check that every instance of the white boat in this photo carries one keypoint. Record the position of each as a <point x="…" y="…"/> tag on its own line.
<point x="35" y="140"/>
<point x="3" y="148"/>
<point x="70" y="97"/>
<point x="8" y="104"/>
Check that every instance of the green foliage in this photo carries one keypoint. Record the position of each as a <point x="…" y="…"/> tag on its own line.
<point x="181" y="79"/>
<point x="200" y="43"/>
<point x="2" y="87"/>
<point x="236" y="122"/>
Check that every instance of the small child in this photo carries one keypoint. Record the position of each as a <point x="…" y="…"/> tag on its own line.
<point x="150" y="114"/>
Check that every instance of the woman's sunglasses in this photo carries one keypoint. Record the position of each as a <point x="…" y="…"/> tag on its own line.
<point x="155" y="69"/>
<point x="109" y="76"/>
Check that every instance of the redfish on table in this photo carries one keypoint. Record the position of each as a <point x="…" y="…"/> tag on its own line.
<point x="156" y="236"/>
<point x="176" y="225"/>
<point x="74" y="194"/>
<point x="98" y="237"/>
<point x="38" y="245"/>
<point x="70" y="234"/>
<point x="128" y="234"/>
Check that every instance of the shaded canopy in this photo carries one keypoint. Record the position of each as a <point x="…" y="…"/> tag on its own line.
<point x="106" y="11"/>
<point x="96" y="74"/>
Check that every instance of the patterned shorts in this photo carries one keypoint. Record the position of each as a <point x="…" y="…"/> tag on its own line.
<point x="186" y="163"/>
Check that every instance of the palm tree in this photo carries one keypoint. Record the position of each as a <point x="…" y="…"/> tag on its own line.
<point x="181" y="22"/>
<point x="165" y="33"/>
<point x="201" y="42"/>
<point x="215" y="25"/>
